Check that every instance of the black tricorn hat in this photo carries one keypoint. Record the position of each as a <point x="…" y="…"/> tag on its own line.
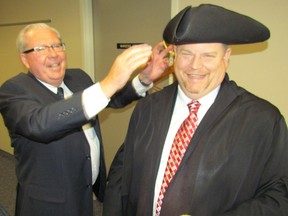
<point x="213" y="24"/>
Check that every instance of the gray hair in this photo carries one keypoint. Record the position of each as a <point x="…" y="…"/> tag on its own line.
<point x="21" y="41"/>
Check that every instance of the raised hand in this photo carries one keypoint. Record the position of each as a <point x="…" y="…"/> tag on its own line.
<point x="157" y="65"/>
<point x="132" y="59"/>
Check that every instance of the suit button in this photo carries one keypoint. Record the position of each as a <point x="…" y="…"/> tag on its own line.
<point x="89" y="185"/>
<point x="88" y="157"/>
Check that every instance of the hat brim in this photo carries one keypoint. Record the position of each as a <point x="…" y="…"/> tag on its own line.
<point x="213" y="24"/>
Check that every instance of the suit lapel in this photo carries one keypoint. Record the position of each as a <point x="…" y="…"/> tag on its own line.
<point x="43" y="93"/>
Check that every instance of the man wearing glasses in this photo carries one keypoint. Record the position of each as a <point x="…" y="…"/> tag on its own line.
<point x="51" y="114"/>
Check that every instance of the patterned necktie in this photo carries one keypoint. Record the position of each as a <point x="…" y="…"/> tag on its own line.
<point x="60" y="92"/>
<point x="178" y="149"/>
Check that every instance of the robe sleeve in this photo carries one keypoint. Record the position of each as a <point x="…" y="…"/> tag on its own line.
<point x="112" y="205"/>
<point x="271" y="198"/>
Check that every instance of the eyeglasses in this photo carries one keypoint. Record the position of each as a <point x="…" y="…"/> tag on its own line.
<point x="44" y="50"/>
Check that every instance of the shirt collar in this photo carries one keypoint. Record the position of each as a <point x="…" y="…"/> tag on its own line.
<point x="207" y="100"/>
<point x="50" y="87"/>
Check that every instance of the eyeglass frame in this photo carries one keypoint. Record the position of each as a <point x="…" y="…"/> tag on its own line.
<point x="42" y="48"/>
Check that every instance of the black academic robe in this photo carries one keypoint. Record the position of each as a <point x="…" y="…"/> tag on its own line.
<point x="53" y="164"/>
<point x="235" y="165"/>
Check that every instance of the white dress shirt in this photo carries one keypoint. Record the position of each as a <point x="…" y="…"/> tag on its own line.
<point x="180" y="113"/>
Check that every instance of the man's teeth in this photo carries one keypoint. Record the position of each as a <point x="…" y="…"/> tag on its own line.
<point x="54" y="65"/>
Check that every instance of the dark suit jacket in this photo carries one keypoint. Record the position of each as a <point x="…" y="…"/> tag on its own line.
<point x="53" y="165"/>
<point x="236" y="163"/>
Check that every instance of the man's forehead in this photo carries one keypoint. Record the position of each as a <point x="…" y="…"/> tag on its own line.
<point x="201" y="46"/>
<point x="41" y="37"/>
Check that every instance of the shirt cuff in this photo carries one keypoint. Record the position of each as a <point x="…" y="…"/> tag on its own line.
<point x="94" y="100"/>
<point x="139" y="88"/>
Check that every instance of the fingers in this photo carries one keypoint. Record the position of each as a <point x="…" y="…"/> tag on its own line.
<point x="135" y="57"/>
<point x="157" y="64"/>
<point x="162" y="49"/>
<point x="131" y="59"/>
<point x="124" y="65"/>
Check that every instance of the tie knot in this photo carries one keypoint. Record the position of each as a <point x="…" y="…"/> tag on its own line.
<point x="60" y="92"/>
<point x="194" y="106"/>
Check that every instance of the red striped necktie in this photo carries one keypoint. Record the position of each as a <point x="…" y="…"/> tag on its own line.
<point x="178" y="149"/>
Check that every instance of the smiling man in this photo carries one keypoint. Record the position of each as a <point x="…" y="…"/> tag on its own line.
<point x="228" y="157"/>
<point x="200" y="68"/>
<point x="46" y="59"/>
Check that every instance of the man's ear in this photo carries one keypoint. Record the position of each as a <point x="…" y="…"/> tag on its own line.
<point x="227" y="54"/>
<point x="23" y="58"/>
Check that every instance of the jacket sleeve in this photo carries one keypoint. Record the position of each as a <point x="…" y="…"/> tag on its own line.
<point x="31" y="116"/>
<point x="124" y="97"/>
